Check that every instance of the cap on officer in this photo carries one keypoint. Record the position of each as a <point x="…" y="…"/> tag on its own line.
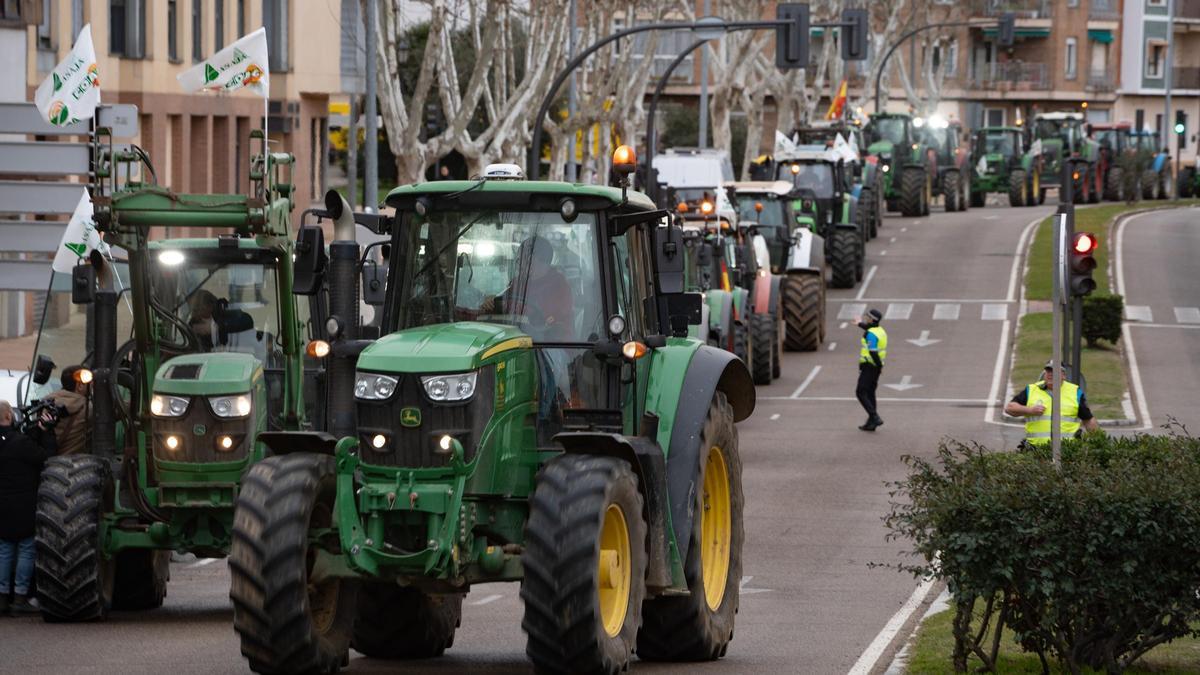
<point x="876" y="314"/>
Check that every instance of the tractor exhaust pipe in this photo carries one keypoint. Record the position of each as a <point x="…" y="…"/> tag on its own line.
<point x="343" y="304"/>
<point x="104" y="346"/>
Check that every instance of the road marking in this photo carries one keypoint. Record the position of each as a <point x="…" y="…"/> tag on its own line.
<point x="486" y="599"/>
<point x="1015" y="272"/>
<point x="904" y="229"/>
<point x="965" y="301"/>
<point x="851" y="310"/>
<point x="883" y="253"/>
<point x="866" y="282"/>
<point x="832" y="346"/>
<point x="1135" y="375"/>
<point x="995" y="312"/>
<point x="892" y="240"/>
<point x="1187" y="314"/>
<point x="898" y="311"/>
<point x="774" y="417"/>
<point x="924" y="340"/>
<point x="1138" y="313"/>
<point x="1165" y="325"/>
<point x="998" y="372"/>
<point x="874" y="651"/>
<point x="905" y="384"/>
<point x="202" y="562"/>
<point x="944" y="311"/>
<point x="990" y="217"/>
<point x="892" y="399"/>
<point x="807" y="381"/>
<point x="842" y="325"/>
<point x="742" y="590"/>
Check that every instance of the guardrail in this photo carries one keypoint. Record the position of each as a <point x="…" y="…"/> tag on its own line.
<point x="1105" y="10"/>
<point x="1185" y="78"/>
<point x="1023" y="9"/>
<point x="1012" y="76"/>
<point x="1101" y="80"/>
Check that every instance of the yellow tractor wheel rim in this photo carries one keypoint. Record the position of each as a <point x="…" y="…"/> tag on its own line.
<point x="715" y="528"/>
<point x="613" y="571"/>
<point x="1036" y="184"/>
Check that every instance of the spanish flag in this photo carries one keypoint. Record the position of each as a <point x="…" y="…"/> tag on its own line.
<point x="838" y="104"/>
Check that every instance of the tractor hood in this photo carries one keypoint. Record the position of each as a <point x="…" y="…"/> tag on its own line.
<point x="881" y="147"/>
<point x="441" y="348"/>
<point x="208" y="374"/>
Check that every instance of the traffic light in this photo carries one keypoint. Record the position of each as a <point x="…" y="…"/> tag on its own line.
<point x="854" y="34"/>
<point x="433" y="120"/>
<point x="791" y="39"/>
<point x="1082" y="263"/>
<point x="1008" y="29"/>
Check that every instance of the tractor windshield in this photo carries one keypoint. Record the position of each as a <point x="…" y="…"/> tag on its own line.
<point x="894" y="129"/>
<point x="528" y="269"/>
<point x="815" y="176"/>
<point x="1049" y="129"/>
<point x="1109" y="138"/>
<point x="771" y="215"/>
<point x="219" y="300"/>
<point x="999" y="143"/>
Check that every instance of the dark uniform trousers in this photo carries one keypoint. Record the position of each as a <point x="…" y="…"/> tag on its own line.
<point x="868" y="382"/>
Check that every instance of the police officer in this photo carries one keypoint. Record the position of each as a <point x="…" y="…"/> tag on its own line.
<point x="871" y="356"/>
<point x="1034" y="403"/>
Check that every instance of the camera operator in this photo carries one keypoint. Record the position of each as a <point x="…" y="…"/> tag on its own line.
<point x="74" y="424"/>
<point x="21" y="461"/>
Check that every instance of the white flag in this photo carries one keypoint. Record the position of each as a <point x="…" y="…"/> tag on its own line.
<point x="72" y="90"/>
<point x="783" y="145"/>
<point x="241" y="64"/>
<point x="79" y="238"/>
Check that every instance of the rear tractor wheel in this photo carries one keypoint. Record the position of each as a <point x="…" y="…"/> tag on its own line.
<point x="951" y="186"/>
<point x="585" y="566"/>
<point x="74" y="578"/>
<point x="802" y="312"/>
<point x="844" y="250"/>
<point x="1113" y="182"/>
<point x="763" y="328"/>
<point x="141" y="579"/>
<point x="912" y="191"/>
<point x="404" y="623"/>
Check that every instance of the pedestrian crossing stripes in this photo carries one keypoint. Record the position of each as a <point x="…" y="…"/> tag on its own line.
<point x="946" y="312"/>
<point x="994" y="312"/>
<point x="1187" y="314"/>
<point x="898" y="311"/>
<point x="952" y="311"/>
<point x="1138" y="313"/>
<point x="852" y="311"/>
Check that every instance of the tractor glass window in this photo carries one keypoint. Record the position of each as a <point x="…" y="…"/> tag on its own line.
<point x="887" y="129"/>
<point x="1107" y="138"/>
<point x="817" y="177"/>
<point x="772" y="214"/>
<point x="206" y="302"/>
<point x="999" y="144"/>
<point x="528" y="269"/>
<point x="1053" y="129"/>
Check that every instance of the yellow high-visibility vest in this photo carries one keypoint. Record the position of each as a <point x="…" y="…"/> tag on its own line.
<point x="1037" y="429"/>
<point x="864" y="354"/>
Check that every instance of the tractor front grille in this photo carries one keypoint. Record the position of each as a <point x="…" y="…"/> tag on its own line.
<point x="197" y="433"/>
<point x="414" y="446"/>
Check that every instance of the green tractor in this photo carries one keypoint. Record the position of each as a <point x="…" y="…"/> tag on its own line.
<point x="907" y="164"/>
<point x="1067" y="155"/>
<point x="211" y="362"/>
<point x="846" y="140"/>
<point x="591" y="456"/>
<point x="954" y="169"/>
<point x="1003" y="164"/>
<point x="1189" y="180"/>
<point x="1156" y="180"/>
<point x="824" y="178"/>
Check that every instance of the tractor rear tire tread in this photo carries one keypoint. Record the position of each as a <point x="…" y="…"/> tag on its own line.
<point x="394" y="622"/>
<point x="70" y="571"/>
<point x="951" y="186"/>
<point x="1017" y="188"/>
<point x="844" y="251"/>
<point x="141" y="579"/>
<point x="802" y="312"/>
<point x="763" y="328"/>
<point x="912" y="191"/>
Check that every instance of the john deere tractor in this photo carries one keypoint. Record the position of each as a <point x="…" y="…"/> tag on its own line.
<point x="1156" y="181"/>
<point x="824" y="176"/>
<point x="796" y="254"/>
<point x="1067" y="155"/>
<point x="209" y="361"/>
<point x="954" y="169"/>
<point x="585" y="449"/>
<point x="846" y="141"/>
<point x="908" y="164"/>
<point x="1002" y="163"/>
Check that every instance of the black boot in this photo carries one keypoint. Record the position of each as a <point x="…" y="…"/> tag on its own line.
<point x="4" y="603"/>
<point x="869" y="426"/>
<point x="22" y="607"/>
<point x="877" y="421"/>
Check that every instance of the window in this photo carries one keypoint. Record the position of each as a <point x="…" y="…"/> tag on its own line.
<point x="173" y="30"/>
<point x="76" y="19"/>
<point x="952" y="58"/>
<point x="197" y="30"/>
<point x="1072" y="3"/>
<point x="994" y="117"/>
<point x="45" y="28"/>
<point x="218" y="24"/>
<point x="127" y="28"/>
<point x="241" y="17"/>
<point x="275" y="20"/>
<point x="10" y="13"/>
<point x="1156" y="59"/>
<point x="1071" y="49"/>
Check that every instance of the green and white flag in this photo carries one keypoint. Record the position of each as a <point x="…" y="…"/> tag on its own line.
<point x="241" y="64"/>
<point x="79" y="238"/>
<point x="72" y="91"/>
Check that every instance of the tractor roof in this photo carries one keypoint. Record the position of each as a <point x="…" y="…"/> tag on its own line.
<point x="887" y="114"/>
<point x="1105" y="126"/>
<point x="1060" y="116"/>
<point x="808" y="153"/>
<point x="213" y="243"/>
<point x="777" y="187"/>
<point x="589" y="196"/>
<point x="988" y="130"/>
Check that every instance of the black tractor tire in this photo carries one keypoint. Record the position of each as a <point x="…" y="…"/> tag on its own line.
<point x="141" y="579"/>
<point x="1018" y="189"/>
<point x="777" y="345"/>
<point x="394" y="622"/>
<point x="802" y="312"/>
<point x="1164" y="184"/>
<point x="743" y="346"/>
<point x="1113" y="184"/>
<point x="912" y="192"/>
<point x="1187" y="183"/>
<point x="561" y="588"/>
<point x="1147" y="184"/>
<point x="74" y="579"/>
<point x="763" y="328"/>
<point x="978" y="199"/>
<point x="1095" y="190"/>
<point x="867" y="206"/>
<point x="693" y="627"/>
<point x="927" y="198"/>
<point x="1041" y="196"/>
<point x="282" y="498"/>
<point x="821" y="306"/>
<point x="844" y="251"/>
<point x="952" y="188"/>
<point x="893" y="204"/>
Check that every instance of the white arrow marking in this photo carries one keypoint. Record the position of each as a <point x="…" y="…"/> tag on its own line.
<point x="924" y="340"/>
<point x="487" y="599"/>
<point x="750" y="591"/>
<point x="202" y="562"/>
<point x="905" y="384"/>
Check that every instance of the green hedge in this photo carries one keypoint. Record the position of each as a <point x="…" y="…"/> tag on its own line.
<point x="1102" y="318"/>
<point x="1092" y="565"/>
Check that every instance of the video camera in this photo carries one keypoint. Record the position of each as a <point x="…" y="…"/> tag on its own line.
<point x="33" y="413"/>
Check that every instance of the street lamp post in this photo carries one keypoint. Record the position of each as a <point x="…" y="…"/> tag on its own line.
<point x="651" y="187"/>
<point x="920" y="29"/>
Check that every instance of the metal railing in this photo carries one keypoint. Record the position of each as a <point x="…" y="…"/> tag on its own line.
<point x="1101" y="80"/>
<point x="1185" y="78"/>
<point x="1104" y="10"/>
<point x="1187" y="9"/>
<point x="1012" y="76"/>
<point x="1023" y="9"/>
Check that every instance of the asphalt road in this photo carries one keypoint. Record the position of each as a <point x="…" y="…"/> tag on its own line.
<point x="815" y="485"/>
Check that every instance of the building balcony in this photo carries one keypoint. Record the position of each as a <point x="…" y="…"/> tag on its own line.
<point x="1022" y="9"/>
<point x="1011" y="76"/>
<point x="1105" y="10"/>
<point x="1187" y="10"/>
<point x="1101" y="80"/>
<point x="1185" y="78"/>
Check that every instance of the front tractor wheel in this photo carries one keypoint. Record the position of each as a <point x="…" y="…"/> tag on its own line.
<point x="699" y="626"/>
<point x="912" y="191"/>
<point x="802" y="312"/>
<point x="75" y="579"/>
<point x="404" y="623"/>
<point x="1017" y="188"/>
<point x="763" y="328"/>
<point x="585" y="566"/>
<point x="951" y="187"/>
<point x="288" y="621"/>
<point x="844" y="252"/>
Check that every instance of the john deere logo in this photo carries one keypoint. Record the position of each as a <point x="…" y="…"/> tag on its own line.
<point x="199" y="430"/>
<point x="410" y="417"/>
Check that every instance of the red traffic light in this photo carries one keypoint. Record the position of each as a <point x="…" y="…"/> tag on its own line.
<point x="1085" y="243"/>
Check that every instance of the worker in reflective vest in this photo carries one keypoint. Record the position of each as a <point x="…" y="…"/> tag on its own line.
<point x="1034" y="403"/>
<point x="871" y="355"/>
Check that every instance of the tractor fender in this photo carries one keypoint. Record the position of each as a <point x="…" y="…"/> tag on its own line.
<point x="703" y="329"/>
<point x="766" y="294"/>
<point x="741" y="303"/>
<point x="808" y="253"/>
<point x="720" y="318"/>
<point x="1159" y="160"/>
<point x="681" y="403"/>
<point x="288" y="442"/>
<point x="644" y="455"/>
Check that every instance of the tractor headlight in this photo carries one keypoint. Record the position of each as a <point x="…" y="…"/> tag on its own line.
<point x="237" y="405"/>
<point x="374" y="387"/>
<point x="163" y="405"/>
<point x="458" y="387"/>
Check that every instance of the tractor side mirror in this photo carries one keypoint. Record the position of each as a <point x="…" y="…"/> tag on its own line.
<point x="704" y="256"/>
<point x="42" y="369"/>
<point x="667" y="244"/>
<point x="309" y="268"/>
<point x="83" y="285"/>
<point x="374" y="283"/>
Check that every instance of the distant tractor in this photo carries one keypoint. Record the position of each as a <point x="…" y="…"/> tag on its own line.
<point x="1116" y="150"/>
<point x="954" y="169"/>
<point x="823" y="174"/>
<point x="1067" y="155"/>
<point x="1156" y="181"/>
<point x="1004" y="164"/>
<point x="908" y="164"/>
<point x="1189" y="180"/>
<point x="846" y="140"/>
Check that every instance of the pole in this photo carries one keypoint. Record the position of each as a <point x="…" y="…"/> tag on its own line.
<point x="352" y="153"/>
<point x="371" y="168"/>
<point x="572" y="94"/>
<point x="703" y="140"/>
<point x="651" y="133"/>
<point x="1077" y="341"/>
<point x="1056" y="338"/>
<point x="888" y="54"/>
<point x="1167" y="123"/>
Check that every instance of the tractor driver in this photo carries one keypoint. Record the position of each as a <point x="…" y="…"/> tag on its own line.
<point x="538" y="292"/>
<point x="213" y="322"/>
